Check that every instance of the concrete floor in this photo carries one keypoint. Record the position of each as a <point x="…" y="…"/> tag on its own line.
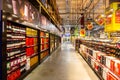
<point x="63" y="64"/>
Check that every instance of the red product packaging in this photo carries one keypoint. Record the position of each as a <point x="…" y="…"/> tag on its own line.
<point x="42" y="34"/>
<point x="111" y="77"/>
<point x="47" y="40"/>
<point x="42" y="40"/>
<point x="96" y="65"/>
<point x="98" y="55"/>
<point x="112" y="63"/>
<point x="10" y="77"/>
<point x="109" y="62"/>
<point x="27" y="41"/>
<point x="32" y="50"/>
<point x="28" y="51"/>
<point x="42" y="47"/>
<point x="31" y="42"/>
<point x="18" y="73"/>
<point x="15" y="75"/>
<point x="117" y="67"/>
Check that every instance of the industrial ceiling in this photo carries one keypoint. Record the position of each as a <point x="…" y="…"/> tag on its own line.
<point x="70" y="10"/>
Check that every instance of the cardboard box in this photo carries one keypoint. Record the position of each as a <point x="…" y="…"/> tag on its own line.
<point x="111" y="77"/>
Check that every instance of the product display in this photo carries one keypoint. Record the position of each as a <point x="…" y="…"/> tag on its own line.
<point x="16" y="54"/>
<point x="44" y="44"/>
<point x="24" y="44"/>
<point x="22" y="53"/>
<point x="52" y="41"/>
<point x="102" y="57"/>
<point x="32" y="46"/>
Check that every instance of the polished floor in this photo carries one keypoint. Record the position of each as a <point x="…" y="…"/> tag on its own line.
<point x="63" y="64"/>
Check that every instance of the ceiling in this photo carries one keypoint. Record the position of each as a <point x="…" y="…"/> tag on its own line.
<point x="70" y="10"/>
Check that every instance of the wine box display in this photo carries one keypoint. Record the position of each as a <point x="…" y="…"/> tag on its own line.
<point x="44" y="45"/>
<point x="104" y="62"/>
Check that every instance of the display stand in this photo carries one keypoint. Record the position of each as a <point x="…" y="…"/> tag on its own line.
<point x="102" y="58"/>
<point x="44" y="45"/>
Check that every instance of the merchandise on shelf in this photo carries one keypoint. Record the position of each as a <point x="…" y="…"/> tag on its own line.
<point x="44" y="44"/>
<point x="105" y="62"/>
<point x="31" y="46"/>
<point x="44" y="54"/>
<point x="52" y="43"/>
<point x="16" y="55"/>
<point x="31" y="32"/>
<point x="33" y="60"/>
<point x="111" y="77"/>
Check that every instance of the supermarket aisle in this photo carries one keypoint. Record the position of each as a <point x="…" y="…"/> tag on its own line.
<point x="63" y="64"/>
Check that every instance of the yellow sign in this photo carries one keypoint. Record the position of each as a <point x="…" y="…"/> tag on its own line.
<point x="112" y="23"/>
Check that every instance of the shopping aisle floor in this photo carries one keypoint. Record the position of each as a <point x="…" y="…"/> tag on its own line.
<point x="63" y="64"/>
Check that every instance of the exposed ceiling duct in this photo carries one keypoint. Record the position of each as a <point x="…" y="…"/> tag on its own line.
<point x="70" y="10"/>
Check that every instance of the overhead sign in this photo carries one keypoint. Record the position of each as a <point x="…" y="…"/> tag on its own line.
<point x="89" y="25"/>
<point x="82" y="32"/>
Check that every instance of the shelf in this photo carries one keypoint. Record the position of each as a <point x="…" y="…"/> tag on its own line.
<point x="32" y="45"/>
<point x="46" y="11"/>
<point x="33" y="55"/>
<point x="19" y="32"/>
<point x="18" y="46"/>
<point x="101" y="78"/>
<point x="16" y="56"/>
<point x="28" y="72"/>
<point x="44" y="50"/>
<point x="43" y="37"/>
<point x="31" y="36"/>
<point x="18" y="67"/>
<point x="42" y="59"/>
<point x="15" y="39"/>
<point x="118" y="77"/>
<point x="45" y="43"/>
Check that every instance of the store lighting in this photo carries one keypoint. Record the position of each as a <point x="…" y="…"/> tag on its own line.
<point x="3" y="16"/>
